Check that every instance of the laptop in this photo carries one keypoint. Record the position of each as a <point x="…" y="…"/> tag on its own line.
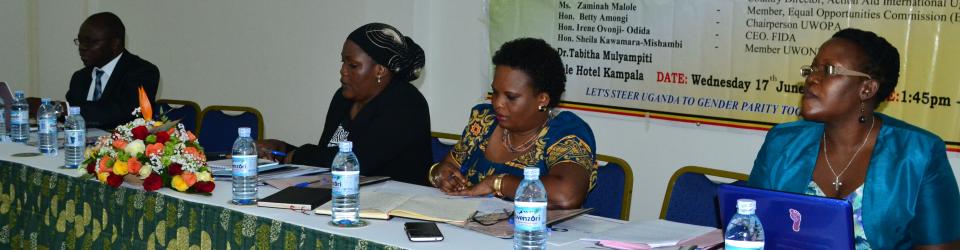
<point x="793" y="221"/>
<point x="6" y="95"/>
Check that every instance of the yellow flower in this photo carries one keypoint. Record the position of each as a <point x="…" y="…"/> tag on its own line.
<point x="90" y="151"/>
<point x="120" y="168"/>
<point x="179" y="184"/>
<point x="102" y="176"/>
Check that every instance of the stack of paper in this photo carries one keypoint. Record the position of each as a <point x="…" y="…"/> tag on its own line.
<point x="655" y="233"/>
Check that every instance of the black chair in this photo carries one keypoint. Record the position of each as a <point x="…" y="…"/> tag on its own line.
<point x="187" y="111"/>
<point x="440" y="148"/>
<point x="218" y="129"/>
<point x="691" y="197"/>
<point x="613" y="192"/>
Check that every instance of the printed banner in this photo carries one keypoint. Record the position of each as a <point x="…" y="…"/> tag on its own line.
<point x="735" y="63"/>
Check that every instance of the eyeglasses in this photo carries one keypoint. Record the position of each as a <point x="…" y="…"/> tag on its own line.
<point x="829" y="70"/>
<point x="86" y="42"/>
<point x="490" y="219"/>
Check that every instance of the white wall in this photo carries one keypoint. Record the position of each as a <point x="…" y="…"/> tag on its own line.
<point x="282" y="58"/>
<point x="15" y="46"/>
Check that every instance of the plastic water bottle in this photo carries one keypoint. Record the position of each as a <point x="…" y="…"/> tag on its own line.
<point x="4" y="135"/>
<point x="20" y="118"/>
<point x="744" y="230"/>
<point x="530" y="212"/>
<point x="76" y="138"/>
<point x="47" y="133"/>
<point x="244" y="169"/>
<point x="346" y="188"/>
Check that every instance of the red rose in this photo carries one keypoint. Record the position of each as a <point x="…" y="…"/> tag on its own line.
<point x="162" y="137"/>
<point x="174" y="169"/>
<point x="91" y="167"/>
<point x="114" y="180"/>
<point x="204" y="186"/>
<point x="140" y="132"/>
<point x="153" y="182"/>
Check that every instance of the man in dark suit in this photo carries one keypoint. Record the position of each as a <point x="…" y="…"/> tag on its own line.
<point x="105" y="88"/>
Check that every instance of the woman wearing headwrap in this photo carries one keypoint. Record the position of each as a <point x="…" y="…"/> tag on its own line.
<point x="376" y="108"/>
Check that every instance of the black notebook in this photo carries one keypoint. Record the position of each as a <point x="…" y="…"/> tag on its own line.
<point x="297" y="198"/>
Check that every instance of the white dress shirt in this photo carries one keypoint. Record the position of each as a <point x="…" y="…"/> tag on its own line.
<point x="107" y="71"/>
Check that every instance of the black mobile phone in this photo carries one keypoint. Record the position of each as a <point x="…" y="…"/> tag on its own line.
<point x="422" y="231"/>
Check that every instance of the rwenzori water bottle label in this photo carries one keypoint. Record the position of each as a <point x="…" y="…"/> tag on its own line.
<point x="244" y="165"/>
<point x="19" y="117"/>
<point x="346" y="182"/>
<point x="75" y="138"/>
<point x="743" y="245"/>
<point x="47" y="125"/>
<point x="530" y="216"/>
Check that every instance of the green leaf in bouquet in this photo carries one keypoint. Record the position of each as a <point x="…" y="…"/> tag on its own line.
<point x="151" y="139"/>
<point x="173" y="140"/>
<point x="165" y="160"/>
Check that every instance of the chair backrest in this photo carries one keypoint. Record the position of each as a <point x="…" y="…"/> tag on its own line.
<point x="440" y="148"/>
<point x="613" y="191"/>
<point x="691" y="197"/>
<point x="187" y="111"/>
<point x="218" y="130"/>
<point x="33" y="105"/>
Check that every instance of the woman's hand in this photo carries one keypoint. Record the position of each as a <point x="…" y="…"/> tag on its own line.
<point x="266" y="147"/>
<point x="483" y="188"/>
<point x="448" y="178"/>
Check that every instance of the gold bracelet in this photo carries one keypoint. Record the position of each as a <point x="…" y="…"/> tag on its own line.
<point x="497" y="185"/>
<point x="430" y="177"/>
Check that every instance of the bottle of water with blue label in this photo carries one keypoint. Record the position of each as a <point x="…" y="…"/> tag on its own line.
<point x="346" y="188"/>
<point x="744" y="230"/>
<point x="530" y="212"/>
<point x="47" y="132"/>
<point x="75" y="140"/>
<point x="4" y="134"/>
<point x="19" y="118"/>
<point x="245" y="180"/>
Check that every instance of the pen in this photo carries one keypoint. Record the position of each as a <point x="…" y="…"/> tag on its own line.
<point x="278" y="153"/>
<point x="307" y="183"/>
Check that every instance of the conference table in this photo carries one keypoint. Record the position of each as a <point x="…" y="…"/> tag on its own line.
<point x="43" y="205"/>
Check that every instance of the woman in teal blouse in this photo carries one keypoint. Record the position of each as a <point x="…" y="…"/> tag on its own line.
<point x="896" y="175"/>
<point x="519" y="129"/>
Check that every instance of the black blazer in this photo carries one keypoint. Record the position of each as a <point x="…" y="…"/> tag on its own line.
<point x="390" y="135"/>
<point x="119" y="98"/>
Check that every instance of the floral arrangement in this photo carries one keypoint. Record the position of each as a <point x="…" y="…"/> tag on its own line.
<point x="159" y="153"/>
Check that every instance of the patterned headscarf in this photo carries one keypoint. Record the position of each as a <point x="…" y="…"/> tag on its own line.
<point x="388" y="47"/>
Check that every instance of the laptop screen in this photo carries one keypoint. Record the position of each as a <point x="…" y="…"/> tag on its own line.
<point x="793" y="221"/>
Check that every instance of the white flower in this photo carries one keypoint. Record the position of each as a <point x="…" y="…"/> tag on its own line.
<point x="135" y="147"/>
<point x="145" y="171"/>
<point x="204" y="176"/>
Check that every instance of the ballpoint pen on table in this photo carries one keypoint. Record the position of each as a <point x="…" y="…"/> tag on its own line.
<point x="307" y="183"/>
<point x="278" y="153"/>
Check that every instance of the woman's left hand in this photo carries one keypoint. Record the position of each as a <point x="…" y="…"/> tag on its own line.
<point x="483" y="188"/>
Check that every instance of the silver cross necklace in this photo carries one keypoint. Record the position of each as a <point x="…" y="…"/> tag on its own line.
<point x="836" y="177"/>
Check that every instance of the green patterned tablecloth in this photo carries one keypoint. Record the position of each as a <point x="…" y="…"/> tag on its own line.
<point x="45" y="210"/>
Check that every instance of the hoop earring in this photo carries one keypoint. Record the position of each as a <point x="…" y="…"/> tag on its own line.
<point x="379" y="79"/>
<point x="862" y="119"/>
<point x="542" y="108"/>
